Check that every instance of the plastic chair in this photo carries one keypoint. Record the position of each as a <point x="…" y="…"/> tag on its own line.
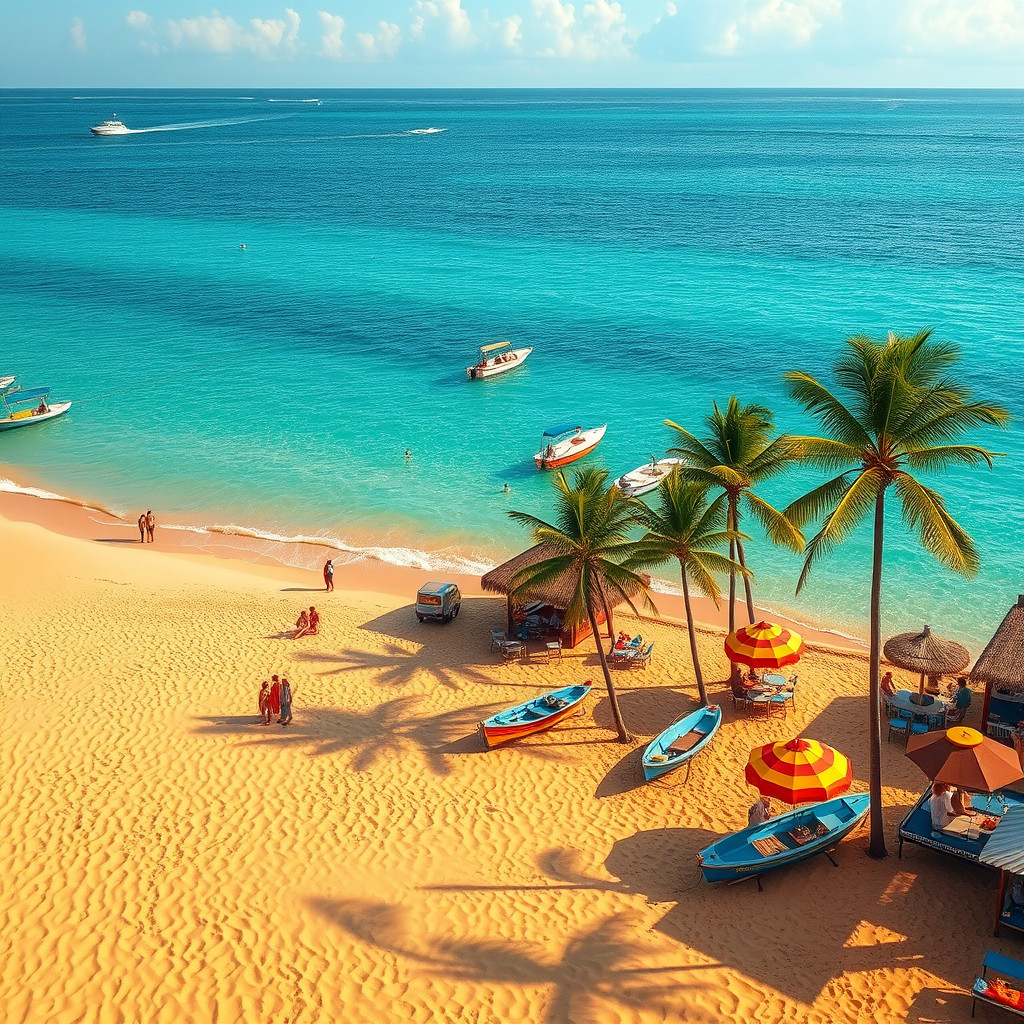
<point x="900" y="725"/>
<point x="641" y="658"/>
<point x="497" y="639"/>
<point x="554" y="650"/>
<point x="954" y="715"/>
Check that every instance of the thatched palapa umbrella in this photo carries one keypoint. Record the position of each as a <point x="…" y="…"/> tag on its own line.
<point x="926" y="653"/>
<point x="1002" y="662"/>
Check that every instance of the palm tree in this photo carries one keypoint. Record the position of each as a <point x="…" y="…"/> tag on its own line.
<point x="901" y="413"/>
<point x="593" y="550"/>
<point x="737" y="454"/>
<point x="685" y="527"/>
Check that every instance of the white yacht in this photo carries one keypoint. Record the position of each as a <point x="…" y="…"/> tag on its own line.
<point x="111" y="127"/>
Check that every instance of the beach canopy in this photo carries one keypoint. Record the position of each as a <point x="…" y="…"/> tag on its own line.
<point x="494" y="346"/>
<point x="1002" y="662"/>
<point x="564" y="428"/>
<point x="798" y="771"/>
<point x="1005" y="847"/>
<point x="765" y="645"/>
<point x="964" y="758"/>
<point x="926" y="653"/>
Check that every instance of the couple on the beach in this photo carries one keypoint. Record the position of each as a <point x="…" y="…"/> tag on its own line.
<point x="307" y="624"/>
<point x="147" y="524"/>
<point x="276" y="699"/>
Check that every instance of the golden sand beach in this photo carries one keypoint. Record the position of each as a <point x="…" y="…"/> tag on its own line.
<point x="166" y="858"/>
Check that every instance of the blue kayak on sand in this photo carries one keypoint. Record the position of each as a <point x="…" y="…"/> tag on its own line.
<point x="681" y="742"/>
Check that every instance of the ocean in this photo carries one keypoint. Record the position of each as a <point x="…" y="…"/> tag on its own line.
<point x="259" y="300"/>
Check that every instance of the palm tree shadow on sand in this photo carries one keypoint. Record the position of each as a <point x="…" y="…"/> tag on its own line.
<point x="600" y="967"/>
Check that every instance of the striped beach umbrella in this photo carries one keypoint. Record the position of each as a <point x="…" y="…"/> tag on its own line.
<point x="798" y="771"/>
<point x="764" y="645"/>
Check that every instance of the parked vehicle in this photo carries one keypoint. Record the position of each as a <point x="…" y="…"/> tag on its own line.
<point x="438" y="601"/>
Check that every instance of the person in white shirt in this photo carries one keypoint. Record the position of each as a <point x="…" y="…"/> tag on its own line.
<point x="941" y="806"/>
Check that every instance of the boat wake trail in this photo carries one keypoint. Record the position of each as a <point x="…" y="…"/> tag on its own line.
<point x="189" y="125"/>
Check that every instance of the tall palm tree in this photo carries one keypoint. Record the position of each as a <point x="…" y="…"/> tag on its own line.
<point x="685" y="527"/>
<point x="900" y="413"/>
<point x="738" y="453"/>
<point x="593" y="549"/>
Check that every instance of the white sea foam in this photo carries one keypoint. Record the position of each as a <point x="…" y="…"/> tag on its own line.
<point x="10" y="487"/>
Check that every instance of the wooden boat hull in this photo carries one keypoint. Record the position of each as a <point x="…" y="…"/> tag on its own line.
<point x="566" y="452"/>
<point x="533" y="715"/>
<point x="734" y="856"/>
<point x="646" y="478"/>
<point x="659" y="759"/>
<point x="56" y="409"/>
<point x="493" y="369"/>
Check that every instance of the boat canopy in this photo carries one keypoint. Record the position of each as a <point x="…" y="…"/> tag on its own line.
<point x="563" y="428"/>
<point x="18" y="396"/>
<point x="487" y="349"/>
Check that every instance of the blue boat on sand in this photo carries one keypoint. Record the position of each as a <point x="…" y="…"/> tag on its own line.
<point x="681" y="742"/>
<point x="787" y="839"/>
<point x="533" y="715"/>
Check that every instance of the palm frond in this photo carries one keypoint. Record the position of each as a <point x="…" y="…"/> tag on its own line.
<point x="777" y="526"/>
<point x="817" y="399"/>
<point x="824" y="452"/>
<point x="690" y="447"/>
<point x="924" y="511"/>
<point x="943" y="456"/>
<point x="813" y="504"/>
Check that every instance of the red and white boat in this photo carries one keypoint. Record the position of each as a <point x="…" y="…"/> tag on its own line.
<point x="565" y="444"/>
<point x="498" y="357"/>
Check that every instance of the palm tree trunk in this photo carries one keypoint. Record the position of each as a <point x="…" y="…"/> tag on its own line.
<point x="731" y="525"/>
<point x="746" y="579"/>
<point x="693" y="639"/>
<point x="876" y="843"/>
<point x="607" y="619"/>
<point x="612" y="697"/>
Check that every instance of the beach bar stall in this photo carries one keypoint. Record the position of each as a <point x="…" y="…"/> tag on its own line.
<point x="1001" y="669"/>
<point x="1005" y="851"/>
<point x="545" y="604"/>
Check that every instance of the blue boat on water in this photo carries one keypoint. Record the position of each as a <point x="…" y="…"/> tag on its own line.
<point x="681" y="742"/>
<point x="787" y="839"/>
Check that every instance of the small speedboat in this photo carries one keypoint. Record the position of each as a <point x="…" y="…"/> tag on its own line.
<point x="498" y="357"/>
<point x="565" y="444"/>
<point x="681" y="742"/>
<point x="787" y="839"/>
<point x="112" y="127"/>
<point x="645" y="478"/>
<point x="19" y="408"/>
<point x="533" y="715"/>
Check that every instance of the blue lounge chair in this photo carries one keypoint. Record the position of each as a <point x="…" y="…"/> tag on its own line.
<point x="1004" y="966"/>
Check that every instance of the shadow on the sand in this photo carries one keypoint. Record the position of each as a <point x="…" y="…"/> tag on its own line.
<point x="116" y="540"/>
<point x="302" y="590"/>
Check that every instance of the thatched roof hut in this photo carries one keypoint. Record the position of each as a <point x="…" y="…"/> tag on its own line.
<point x="1001" y="669"/>
<point x="556" y="594"/>
<point x="926" y="653"/>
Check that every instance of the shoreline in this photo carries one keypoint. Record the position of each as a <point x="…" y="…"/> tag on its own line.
<point x="277" y="555"/>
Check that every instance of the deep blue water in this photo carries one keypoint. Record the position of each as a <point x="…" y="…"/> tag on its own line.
<point x="660" y="249"/>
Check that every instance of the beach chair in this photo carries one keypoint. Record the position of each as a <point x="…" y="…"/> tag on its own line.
<point x="497" y="639"/>
<point x="641" y="658"/>
<point x="899" y="723"/>
<point x="740" y="695"/>
<point x="995" y="994"/>
<point x="553" y="648"/>
<point x="955" y="715"/>
<point x="781" y="700"/>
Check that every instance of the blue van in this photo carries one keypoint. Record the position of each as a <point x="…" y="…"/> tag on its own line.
<point x="438" y="601"/>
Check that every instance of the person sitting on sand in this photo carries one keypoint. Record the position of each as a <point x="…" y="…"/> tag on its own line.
<point x="314" y="621"/>
<point x="301" y="624"/>
<point x="940" y="804"/>
<point x="265" y="703"/>
<point x="760" y="811"/>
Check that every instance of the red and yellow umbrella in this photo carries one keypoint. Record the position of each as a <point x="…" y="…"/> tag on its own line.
<point x="798" y="771"/>
<point x="764" y="645"/>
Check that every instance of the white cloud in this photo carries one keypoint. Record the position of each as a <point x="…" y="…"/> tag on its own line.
<point x="332" y="28"/>
<point x="940" y="26"/>
<point x="139" y="19"/>
<point x="453" y="21"/>
<point x="670" y="9"/>
<point x="78" y="37"/>
<point x="382" y="43"/>
<point x="600" y="32"/>
<point x="776" y="25"/>
<point x="217" y="34"/>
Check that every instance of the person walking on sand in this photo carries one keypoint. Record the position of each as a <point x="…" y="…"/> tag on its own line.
<point x="329" y="576"/>
<point x="265" y="703"/>
<point x="274" y="700"/>
<point x="142" y="528"/>
<point x="150" y="524"/>
<point x="286" y="702"/>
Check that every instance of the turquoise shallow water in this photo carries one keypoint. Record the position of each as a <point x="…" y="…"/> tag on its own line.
<point x="659" y="250"/>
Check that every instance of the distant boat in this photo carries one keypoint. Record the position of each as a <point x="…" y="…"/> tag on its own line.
<point x="533" y="715"/>
<point x="13" y="399"/>
<point x="787" y="839"/>
<point x="681" y="742"/>
<point x="646" y="477"/>
<point x="566" y="444"/>
<point x="498" y="357"/>
<point x="112" y="127"/>
<point x="6" y="382"/>
<point x="426" y="131"/>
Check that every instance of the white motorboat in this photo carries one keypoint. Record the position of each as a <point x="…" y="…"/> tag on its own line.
<point x="645" y="478"/>
<point x="565" y="444"/>
<point x="111" y="127"/>
<point x="19" y="409"/>
<point x="498" y="357"/>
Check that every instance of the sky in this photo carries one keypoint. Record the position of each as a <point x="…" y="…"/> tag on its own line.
<point x="512" y="43"/>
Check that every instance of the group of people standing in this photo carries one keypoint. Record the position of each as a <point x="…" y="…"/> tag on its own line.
<point x="276" y="699"/>
<point x="147" y="526"/>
